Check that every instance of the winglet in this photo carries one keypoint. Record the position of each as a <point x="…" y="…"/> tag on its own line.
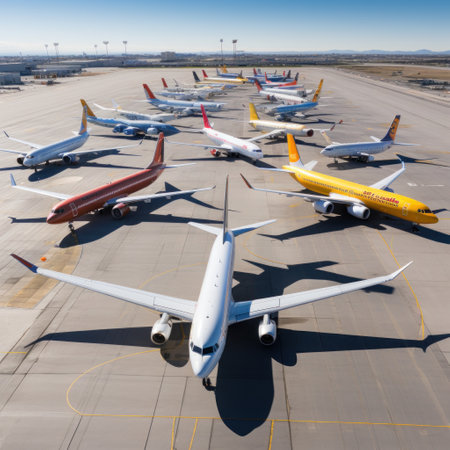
<point x="225" y="212"/>
<point x="6" y="134"/>
<point x="164" y="83"/>
<point x="247" y="182"/>
<point x="26" y="263"/>
<point x="205" y="117"/>
<point x="196" y="78"/>
<point x="390" y="135"/>
<point x="258" y="85"/>
<point x="13" y="181"/>
<point x="148" y="92"/>
<point x="399" y="271"/>
<point x="253" y="113"/>
<point x="89" y="111"/>
<point x="159" y="152"/>
<point x="317" y="93"/>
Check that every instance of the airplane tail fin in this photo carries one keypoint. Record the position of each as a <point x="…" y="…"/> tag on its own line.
<point x="217" y="72"/>
<point x="196" y="78"/>
<point x="204" y="73"/>
<point x="164" y="83"/>
<point x="390" y="135"/>
<point x="224" y="69"/>
<point x="158" y="158"/>
<point x="296" y="76"/>
<point x="294" y="157"/>
<point x="265" y="76"/>
<point x="89" y="111"/>
<point x="258" y="85"/>
<point x="317" y="93"/>
<point x="253" y="113"/>
<point x="288" y="74"/>
<point x="205" y="117"/>
<point x="255" y="72"/>
<point x="148" y="93"/>
<point x="83" y="127"/>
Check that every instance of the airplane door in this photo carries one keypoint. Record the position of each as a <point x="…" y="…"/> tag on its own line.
<point x="405" y="209"/>
<point x="74" y="209"/>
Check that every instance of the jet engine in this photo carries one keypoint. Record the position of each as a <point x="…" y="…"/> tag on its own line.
<point x="130" y="131"/>
<point x="152" y="131"/>
<point x="366" y="158"/>
<point x="309" y="132"/>
<point x="70" y="159"/>
<point x="323" y="206"/>
<point x="119" y="128"/>
<point x="215" y="152"/>
<point x="359" y="211"/>
<point x="161" y="330"/>
<point x="267" y="330"/>
<point x="20" y="160"/>
<point x="120" y="210"/>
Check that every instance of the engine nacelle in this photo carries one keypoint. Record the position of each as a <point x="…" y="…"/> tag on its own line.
<point x="366" y="158"/>
<point x="359" y="211"/>
<point x="309" y="132"/>
<point x="267" y="330"/>
<point x="323" y="206"/>
<point x="152" y="131"/>
<point x="161" y="330"/>
<point x="215" y="152"/>
<point x="70" y="159"/>
<point x="20" y="160"/>
<point x="120" y="210"/>
<point x="130" y="131"/>
<point x="119" y="128"/>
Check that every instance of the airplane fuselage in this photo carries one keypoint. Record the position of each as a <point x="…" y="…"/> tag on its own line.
<point x="355" y="149"/>
<point x="210" y="323"/>
<point x="289" y="110"/>
<point x="293" y="128"/>
<point x="143" y="126"/>
<point x="232" y="144"/>
<point x="181" y="104"/>
<point x="377" y="199"/>
<point x="95" y="199"/>
<point x="54" y="151"/>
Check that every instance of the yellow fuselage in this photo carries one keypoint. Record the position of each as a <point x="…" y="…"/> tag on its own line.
<point x="377" y="199"/>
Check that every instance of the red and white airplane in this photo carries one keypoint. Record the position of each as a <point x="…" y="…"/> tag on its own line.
<point x="114" y="195"/>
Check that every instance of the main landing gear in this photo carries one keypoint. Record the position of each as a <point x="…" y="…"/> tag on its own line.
<point x="207" y="384"/>
<point x="71" y="227"/>
<point x="415" y="228"/>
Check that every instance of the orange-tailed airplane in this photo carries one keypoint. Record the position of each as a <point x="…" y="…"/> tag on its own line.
<point x="358" y="198"/>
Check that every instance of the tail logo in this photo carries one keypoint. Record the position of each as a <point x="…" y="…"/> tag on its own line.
<point x="393" y="129"/>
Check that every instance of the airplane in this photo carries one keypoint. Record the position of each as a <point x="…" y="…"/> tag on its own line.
<point x="359" y="199"/>
<point x="130" y="127"/>
<point x="114" y="195"/>
<point x="226" y="74"/>
<point x="215" y="310"/>
<point x="180" y="106"/>
<point x="133" y="115"/>
<point x="207" y="90"/>
<point x="363" y="151"/>
<point x="258" y="75"/>
<point x="217" y="84"/>
<point x="284" y="97"/>
<point x="237" y="80"/>
<point x="283" y="112"/>
<point x="226" y="143"/>
<point x="280" y="129"/>
<point x="62" y="150"/>
<point x="280" y="83"/>
<point x="298" y="90"/>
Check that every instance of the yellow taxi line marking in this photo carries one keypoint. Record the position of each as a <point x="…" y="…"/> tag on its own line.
<point x="271" y="434"/>
<point x="173" y="269"/>
<point x="10" y="353"/>
<point x="173" y="433"/>
<point x="193" y="433"/>
<point x="422" y="326"/>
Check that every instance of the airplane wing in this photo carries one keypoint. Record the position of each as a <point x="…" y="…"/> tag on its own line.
<point x="104" y="108"/>
<point x="39" y="191"/>
<point x="327" y="138"/>
<point x="173" y="306"/>
<point x="30" y="144"/>
<point x="273" y="133"/>
<point x="385" y="182"/>
<point x="226" y="148"/>
<point x="13" y="151"/>
<point x="98" y="150"/>
<point x="246" y="310"/>
<point x="335" y="198"/>
<point x="149" y="197"/>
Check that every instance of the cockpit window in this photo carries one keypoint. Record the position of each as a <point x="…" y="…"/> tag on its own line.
<point x="58" y="210"/>
<point x="204" y="351"/>
<point x="424" y="211"/>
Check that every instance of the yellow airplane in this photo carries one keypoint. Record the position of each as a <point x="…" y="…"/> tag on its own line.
<point x="358" y="198"/>
<point x="282" y="128"/>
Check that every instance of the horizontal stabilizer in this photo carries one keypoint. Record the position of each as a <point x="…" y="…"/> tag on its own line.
<point x="207" y="228"/>
<point x="247" y="228"/>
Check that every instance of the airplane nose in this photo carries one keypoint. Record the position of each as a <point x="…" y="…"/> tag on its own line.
<point x="51" y="218"/>
<point x="434" y="218"/>
<point x="200" y="365"/>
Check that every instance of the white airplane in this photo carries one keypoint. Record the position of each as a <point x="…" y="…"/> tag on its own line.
<point x="215" y="310"/>
<point x="280" y="129"/>
<point x="363" y="151"/>
<point x="226" y="143"/>
<point x="285" y="97"/>
<point x="133" y="115"/>
<point x="59" y="150"/>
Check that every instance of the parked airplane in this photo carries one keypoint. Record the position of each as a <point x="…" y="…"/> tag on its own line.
<point x="279" y="129"/>
<point x="215" y="310"/>
<point x="207" y="90"/>
<point x="62" y="150"/>
<point x="130" y="127"/>
<point x="114" y="195"/>
<point x="237" y="80"/>
<point x="280" y="83"/>
<point x="258" y="75"/>
<point x="283" y="112"/>
<point x="226" y="143"/>
<point x="180" y="106"/>
<point x="359" y="199"/>
<point x="297" y="90"/>
<point x="133" y="115"/>
<point x="284" y="97"/>
<point x="363" y="151"/>
<point x="226" y="74"/>
<point x="217" y="84"/>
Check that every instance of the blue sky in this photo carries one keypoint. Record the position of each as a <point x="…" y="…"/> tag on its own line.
<point x="183" y="26"/>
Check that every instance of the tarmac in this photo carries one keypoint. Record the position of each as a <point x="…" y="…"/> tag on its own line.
<point x="365" y="370"/>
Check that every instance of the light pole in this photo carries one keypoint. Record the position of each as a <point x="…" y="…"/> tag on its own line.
<point x="106" y="45"/>
<point x="96" y="54"/>
<point x="221" y="49"/>
<point x="46" y="49"/>
<point x="234" y="41"/>
<point x="56" y="50"/>
<point x="125" y="45"/>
